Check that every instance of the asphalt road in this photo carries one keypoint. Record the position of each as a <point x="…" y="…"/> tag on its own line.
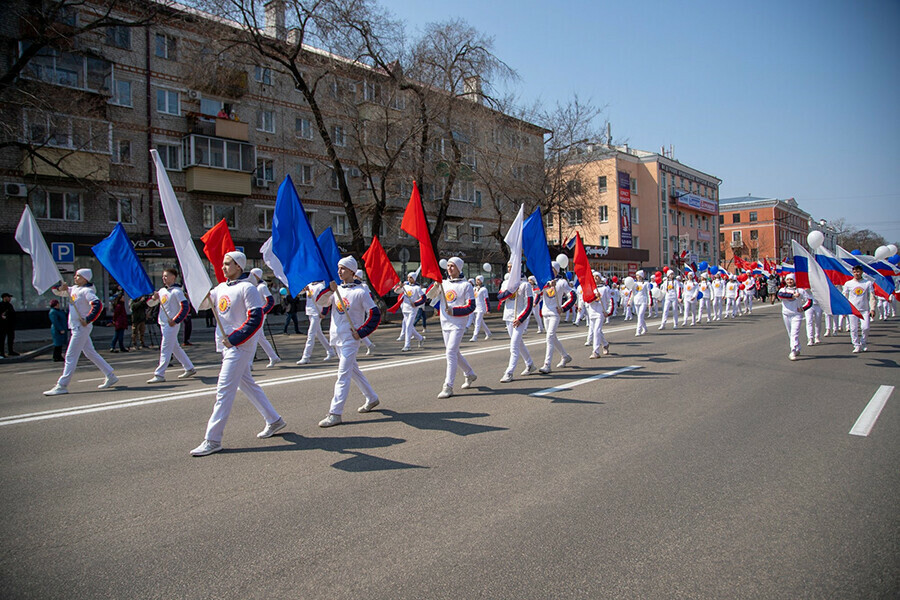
<point x="715" y="468"/>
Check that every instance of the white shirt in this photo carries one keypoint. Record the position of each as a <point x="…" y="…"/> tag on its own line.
<point x="554" y="294"/>
<point x="239" y="307"/>
<point x="412" y="294"/>
<point x="481" y="299"/>
<point x="171" y="305"/>
<point x="312" y="292"/>
<point x="515" y="306"/>
<point x="458" y="294"/>
<point x="641" y="292"/>
<point x="354" y="314"/>
<point x="83" y="304"/>
<point x="861" y="294"/>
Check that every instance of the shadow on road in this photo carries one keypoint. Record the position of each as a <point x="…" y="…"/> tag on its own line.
<point x="441" y="421"/>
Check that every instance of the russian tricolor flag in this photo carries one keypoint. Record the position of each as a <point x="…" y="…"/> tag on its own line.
<point x="837" y="271"/>
<point x="808" y="274"/>
<point x="884" y="286"/>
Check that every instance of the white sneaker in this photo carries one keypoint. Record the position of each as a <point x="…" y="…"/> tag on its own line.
<point x="606" y="350"/>
<point x="156" y="379"/>
<point x="273" y="362"/>
<point x="400" y="339"/>
<point x="422" y="342"/>
<point x="507" y="378"/>
<point x="544" y="370"/>
<point x="369" y="406"/>
<point x="207" y="447"/>
<point x="856" y="349"/>
<point x="470" y="379"/>
<point x="370" y="350"/>
<point x="827" y="333"/>
<point x="272" y="428"/>
<point x="405" y="349"/>
<point x="446" y="392"/>
<point x="188" y="373"/>
<point x="588" y="343"/>
<point x="303" y="361"/>
<point x="329" y="357"/>
<point x="110" y="381"/>
<point x="489" y="336"/>
<point x="564" y="361"/>
<point x="662" y="327"/>
<point x="529" y="369"/>
<point x="594" y="355"/>
<point x="56" y="390"/>
<point x="473" y="339"/>
<point x="792" y="356"/>
<point x="330" y="421"/>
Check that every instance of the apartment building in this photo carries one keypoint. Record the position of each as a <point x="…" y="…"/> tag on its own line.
<point x="228" y="130"/>
<point x="642" y="210"/>
<point x="755" y="228"/>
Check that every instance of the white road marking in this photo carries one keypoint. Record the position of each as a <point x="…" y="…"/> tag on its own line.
<point x="570" y="385"/>
<point x="211" y="390"/>
<point x="145" y="374"/>
<point x="869" y="415"/>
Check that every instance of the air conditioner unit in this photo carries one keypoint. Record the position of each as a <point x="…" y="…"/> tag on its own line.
<point x="354" y="172"/>
<point x="193" y="94"/>
<point x="262" y="183"/>
<point x="15" y="190"/>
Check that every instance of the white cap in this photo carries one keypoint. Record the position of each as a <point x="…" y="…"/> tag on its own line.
<point x="458" y="262"/>
<point x="411" y="275"/>
<point x="257" y="272"/>
<point x="239" y="258"/>
<point x="555" y="265"/>
<point x="348" y="262"/>
<point x="86" y="273"/>
<point x="640" y="273"/>
<point x="479" y="279"/>
<point x="359" y="274"/>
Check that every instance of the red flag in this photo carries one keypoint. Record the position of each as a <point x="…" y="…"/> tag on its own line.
<point x="216" y="243"/>
<point x="381" y="272"/>
<point x="414" y="224"/>
<point x="583" y="271"/>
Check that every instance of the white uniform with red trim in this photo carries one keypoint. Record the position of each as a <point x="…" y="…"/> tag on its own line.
<point x="731" y="298"/>
<point x="690" y="291"/>
<point x="458" y="294"/>
<point x="861" y="295"/>
<point x="314" y="314"/>
<point x="239" y="309"/>
<point x="268" y="305"/>
<point x="704" y="289"/>
<point x="794" y="301"/>
<point x="671" y="289"/>
<point x="481" y="309"/>
<point x="557" y="297"/>
<point x="718" y="288"/>
<point x="517" y="307"/>
<point x="172" y="307"/>
<point x="412" y="298"/>
<point x="83" y="304"/>
<point x="597" y="312"/>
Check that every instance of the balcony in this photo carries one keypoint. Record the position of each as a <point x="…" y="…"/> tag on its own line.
<point x="68" y="163"/>
<point x="216" y="165"/>
<point x="737" y="244"/>
<point x="223" y="128"/>
<point x="217" y="181"/>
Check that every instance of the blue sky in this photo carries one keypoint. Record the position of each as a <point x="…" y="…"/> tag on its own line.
<point x="778" y="99"/>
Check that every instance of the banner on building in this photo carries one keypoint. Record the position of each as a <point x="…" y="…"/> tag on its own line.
<point x="625" y="240"/>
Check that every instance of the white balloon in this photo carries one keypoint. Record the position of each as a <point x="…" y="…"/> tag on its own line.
<point x="893" y="249"/>
<point x="506" y="277"/>
<point x="486" y="267"/>
<point x="563" y="261"/>
<point x="443" y="263"/>
<point x="629" y="283"/>
<point x="815" y="239"/>
<point x="883" y="252"/>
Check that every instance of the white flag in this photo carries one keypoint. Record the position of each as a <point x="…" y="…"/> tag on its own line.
<point x="196" y="279"/>
<point x="272" y="261"/>
<point x="46" y="273"/>
<point x="513" y="239"/>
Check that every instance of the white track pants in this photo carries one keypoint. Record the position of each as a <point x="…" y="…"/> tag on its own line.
<point x="408" y="329"/>
<point x="479" y="325"/>
<point x="792" y="323"/>
<point x="80" y="342"/>
<point x="813" y="324"/>
<point x="517" y="347"/>
<point x="670" y="305"/>
<point x="641" y="312"/>
<point x="315" y="333"/>
<point x="551" y="324"/>
<point x="348" y="370"/>
<point x="596" y="327"/>
<point x="859" y="330"/>
<point x="235" y="375"/>
<point x="168" y="347"/>
<point x="452" y="339"/>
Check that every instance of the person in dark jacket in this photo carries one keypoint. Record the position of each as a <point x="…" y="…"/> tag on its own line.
<point x="120" y="323"/>
<point x="7" y="325"/>
<point x="59" y="329"/>
<point x="138" y="322"/>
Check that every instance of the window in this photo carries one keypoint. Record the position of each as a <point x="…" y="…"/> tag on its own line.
<point x="753" y="217"/>
<point x="451" y="232"/>
<point x="265" y="121"/>
<point x="167" y="102"/>
<point x="265" y="171"/>
<point x="304" y="175"/>
<point x="170" y="155"/>
<point x="477" y="198"/>
<point x="398" y="101"/>
<point x="367" y="228"/>
<point x="218" y="153"/>
<point x="337" y="135"/>
<point x="213" y="213"/>
<point x="604" y="214"/>
<point x="165" y="47"/>
<point x="601" y="184"/>
<point x="705" y="247"/>
<point x="264" y="217"/>
<point x="476" y="234"/>
<point x="721" y="219"/>
<point x="67" y="69"/>
<point x="119" y="36"/>
<point x="721" y="238"/>
<point x="634" y="215"/>
<point x="634" y="185"/>
<point x="735" y="236"/>
<point x="549" y="217"/>
<point x="463" y="191"/>
<point x="754" y="234"/>
<point x="372" y="91"/>
<point x="692" y="221"/>
<point x="635" y="242"/>
<point x="121" y="210"/>
<point x="683" y="220"/>
<point x="311" y="217"/>
<point x="340" y="225"/>
<point x="574" y="217"/>
<point x="736" y="218"/>
<point x="303" y="128"/>
<point x="65" y="131"/>
<point x="262" y="75"/>
<point x="59" y="206"/>
<point x="122" y="152"/>
<point x="121" y="93"/>
<point x="518" y="172"/>
<point x="335" y="182"/>
<point x="604" y="241"/>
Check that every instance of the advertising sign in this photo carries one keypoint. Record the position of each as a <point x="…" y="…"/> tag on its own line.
<point x="625" y="209"/>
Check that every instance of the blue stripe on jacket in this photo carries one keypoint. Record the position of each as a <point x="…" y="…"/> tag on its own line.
<point x="248" y="328"/>
<point x="371" y="323"/>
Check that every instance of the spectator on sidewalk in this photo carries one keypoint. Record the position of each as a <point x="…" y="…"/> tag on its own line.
<point x="120" y="324"/>
<point x="7" y="325"/>
<point x="138" y="322"/>
<point x="59" y="329"/>
<point x="291" y="308"/>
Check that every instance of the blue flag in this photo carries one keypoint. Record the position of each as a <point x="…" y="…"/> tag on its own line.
<point x="294" y="242"/>
<point x="330" y="251"/>
<point x="534" y="246"/>
<point x="116" y="254"/>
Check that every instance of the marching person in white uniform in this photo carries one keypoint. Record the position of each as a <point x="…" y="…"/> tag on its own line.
<point x="268" y="305"/>
<point x="689" y="297"/>
<point x="354" y="315"/>
<point x="558" y="297"/>
<point x="861" y="294"/>
<point x="640" y="296"/>
<point x="173" y="310"/>
<point x="314" y="332"/>
<point x="731" y="297"/>
<point x="625" y="294"/>
<point x="457" y="302"/>
<point x="718" y="288"/>
<point x="367" y="341"/>
<point x="412" y="297"/>
<point x="704" y="291"/>
<point x="84" y="308"/>
<point x="794" y="301"/>
<point x="481" y="309"/>
<point x="597" y="311"/>
<point x="813" y="323"/>
<point x="671" y="290"/>
<point x="517" y="307"/>
<point x="538" y="304"/>
<point x="749" y="293"/>
<point x="240" y="314"/>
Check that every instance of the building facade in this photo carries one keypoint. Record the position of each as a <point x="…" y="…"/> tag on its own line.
<point x="646" y="210"/>
<point x="756" y="228"/>
<point x="228" y="132"/>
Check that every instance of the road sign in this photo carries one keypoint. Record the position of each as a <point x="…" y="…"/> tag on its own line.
<point x="63" y="252"/>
